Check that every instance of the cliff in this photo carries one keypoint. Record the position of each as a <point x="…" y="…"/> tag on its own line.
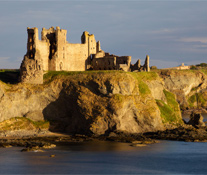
<point x="90" y="102"/>
<point x="189" y="86"/>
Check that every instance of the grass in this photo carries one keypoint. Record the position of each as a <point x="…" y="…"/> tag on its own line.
<point x="170" y="112"/>
<point x="21" y="123"/>
<point x="204" y="71"/>
<point x="171" y="101"/>
<point x="197" y="100"/>
<point x="40" y="124"/>
<point x="201" y="99"/>
<point x="51" y="75"/>
<point x="167" y="113"/>
<point x="187" y="71"/>
<point x="192" y="100"/>
<point x="145" y="76"/>
<point x="143" y="88"/>
<point x="141" y="77"/>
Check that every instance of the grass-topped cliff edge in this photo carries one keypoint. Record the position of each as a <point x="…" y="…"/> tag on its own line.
<point x="93" y="102"/>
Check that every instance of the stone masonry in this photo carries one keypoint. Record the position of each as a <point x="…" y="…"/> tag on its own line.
<point x="54" y="53"/>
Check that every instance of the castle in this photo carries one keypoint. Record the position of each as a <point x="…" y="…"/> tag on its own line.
<point x="54" y="53"/>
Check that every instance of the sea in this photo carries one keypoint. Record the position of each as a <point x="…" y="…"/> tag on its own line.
<point x="105" y="157"/>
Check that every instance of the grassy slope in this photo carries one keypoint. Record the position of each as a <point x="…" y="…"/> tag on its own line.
<point x="170" y="112"/>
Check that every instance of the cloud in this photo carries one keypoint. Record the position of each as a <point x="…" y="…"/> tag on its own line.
<point x="201" y="46"/>
<point x="193" y="39"/>
<point x="162" y="31"/>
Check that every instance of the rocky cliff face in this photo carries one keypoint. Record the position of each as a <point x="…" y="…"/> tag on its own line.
<point x="92" y="102"/>
<point x="189" y="86"/>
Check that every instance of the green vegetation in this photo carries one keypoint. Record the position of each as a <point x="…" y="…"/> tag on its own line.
<point x="171" y="101"/>
<point x="175" y="71"/>
<point x="145" y="76"/>
<point x="194" y="89"/>
<point x="143" y="88"/>
<point x="201" y="99"/>
<point x="193" y="68"/>
<point x="21" y="123"/>
<point x="167" y="113"/>
<point x="204" y="65"/>
<point x="170" y="112"/>
<point x="204" y="71"/>
<point x="197" y="100"/>
<point x="40" y="124"/>
<point x="153" y="68"/>
<point x="192" y="101"/>
<point x="138" y="75"/>
<point x="201" y="66"/>
<point x="51" y="75"/>
<point x="141" y="77"/>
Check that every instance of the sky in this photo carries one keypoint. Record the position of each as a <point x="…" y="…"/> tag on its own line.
<point x="171" y="32"/>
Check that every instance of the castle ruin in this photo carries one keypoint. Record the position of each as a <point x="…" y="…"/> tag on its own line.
<point x="54" y="53"/>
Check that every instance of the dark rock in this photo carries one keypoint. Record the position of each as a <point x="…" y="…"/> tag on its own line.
<point x="5" y="145"/>
<point x="112" y="134"/>
<point x="32" y="148"/>
<point x="196" y="120"/>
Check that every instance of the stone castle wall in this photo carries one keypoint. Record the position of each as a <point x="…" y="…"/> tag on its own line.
<point x="54" y="53"/>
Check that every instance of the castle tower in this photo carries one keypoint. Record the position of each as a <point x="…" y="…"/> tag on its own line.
<point x="88" y="39"/>
<point x="92" y="46"/>
<point x="138" y="64"/>
<point x="146" y="65"/>
<point x="31" y="69"/>
<point x="61" y="49"/>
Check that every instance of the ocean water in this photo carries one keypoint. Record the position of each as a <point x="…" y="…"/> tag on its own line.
<point x="101" y="157"/>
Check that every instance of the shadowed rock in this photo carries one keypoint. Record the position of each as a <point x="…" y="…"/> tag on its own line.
<point x="196" y="120"/>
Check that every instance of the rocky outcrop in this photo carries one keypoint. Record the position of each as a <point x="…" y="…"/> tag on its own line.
<point x="157" y="89"/>
<point x="189" y="86"/>
<point x="89" y="103"/>
<point x="196" y="120"/>
<point x="31" y="71"/>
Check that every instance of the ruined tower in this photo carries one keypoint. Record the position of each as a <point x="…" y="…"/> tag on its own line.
<point x="31" y="69"/>
<point x="56" y="40"/>
<point x="146" y="65"/>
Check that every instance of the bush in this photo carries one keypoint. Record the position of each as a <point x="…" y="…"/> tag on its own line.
<point x="193" y="68"/>
<point x="153" y="67"/>
<point x="202" y="65"/>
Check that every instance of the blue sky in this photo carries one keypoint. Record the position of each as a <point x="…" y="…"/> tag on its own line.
<point x="170" y="32"/>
